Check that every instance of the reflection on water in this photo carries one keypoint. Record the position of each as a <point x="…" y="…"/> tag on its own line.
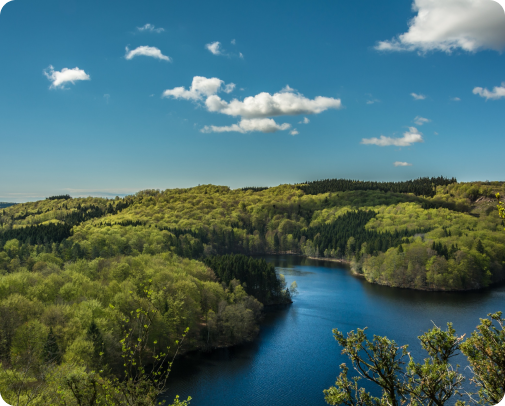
<point x="295" y="356"/>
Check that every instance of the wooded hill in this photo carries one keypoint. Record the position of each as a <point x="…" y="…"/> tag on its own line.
<point x="449" y="238"/>
<point x="73" y="271"/>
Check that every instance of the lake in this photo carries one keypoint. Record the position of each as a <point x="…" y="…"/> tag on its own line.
<point x="295" y="356"/>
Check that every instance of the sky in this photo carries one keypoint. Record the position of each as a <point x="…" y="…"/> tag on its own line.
<point x="110" y="97"/>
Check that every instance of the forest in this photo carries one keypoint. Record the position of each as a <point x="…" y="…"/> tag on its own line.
<point x="75" y="271"/>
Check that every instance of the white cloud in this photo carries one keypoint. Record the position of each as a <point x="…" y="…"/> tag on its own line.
<point x="398" y="163"/>
<point x="294" y="131"/>
<point x="106" y="97"/>
<point x="200" y="87"/>
<point x="229" y="88"/>
<point x="233" y="41"/>
<point x="304" y="121"/>
<point x="240" y="55"/>
<point x="418" y="96"/>
<point x="446" y="25"/>
<point x="267" y="105"/>
<point x="495" y="94"/>
<point x="288" y="89"/>
<point x="146" y="51"/>
<point x="456" y="99"/>
<point x="372" y="101"/>
<point x="150" y="28"/>
<point x="421" y="120"/>
<point x="59" y="78"/>
<point x="409" y="137"/>
<point x="215" y="48"/>
<point x="264" y="125"/>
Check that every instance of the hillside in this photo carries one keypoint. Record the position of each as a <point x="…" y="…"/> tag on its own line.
<point x="449" y="239"/>
<point x="75" y="271"/>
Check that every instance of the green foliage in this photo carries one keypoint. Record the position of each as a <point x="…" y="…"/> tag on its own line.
<point x="419" y="187"/>
<point x="59" y="197"/>
<point x="394" y="372"/>
<point x="485" y="350"/>
<point x="258" y="276"/>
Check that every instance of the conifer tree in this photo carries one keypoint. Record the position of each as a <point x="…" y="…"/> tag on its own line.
<point x="51" y="351"/>
<point x="95" y="336"/>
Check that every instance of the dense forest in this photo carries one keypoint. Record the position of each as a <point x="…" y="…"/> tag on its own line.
<point x="419" y="187"/>
<point x="74" y="270"/>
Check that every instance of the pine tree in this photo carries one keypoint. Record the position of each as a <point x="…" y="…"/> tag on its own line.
<point x="95" y="336"/>
<point x="480" y="247"/>
<point x="276" y="243"/>
<point x="51" y="351"/>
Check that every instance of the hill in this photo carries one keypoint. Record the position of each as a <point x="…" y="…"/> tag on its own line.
<point x="449" y="238"/>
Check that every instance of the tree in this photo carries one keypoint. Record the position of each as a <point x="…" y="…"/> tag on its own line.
<point x="485" y="350"/>
<point x="501" y="207"/>
<point x="51" y="351"/>
<point x="401" y="380"/>
<point x="276" y="243"/>
<point x="99" y="351"/>
<point x="146" y="369"/>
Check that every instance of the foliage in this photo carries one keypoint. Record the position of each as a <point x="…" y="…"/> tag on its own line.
<point x="485" y="350"/>
<point x="419" y="187"/>
<point x="402" y="381"/>
<point x="501" y="207"/>
<point x="258" y="277"/>
<point x="451" y="241"/>
<point x="59" y="197"/>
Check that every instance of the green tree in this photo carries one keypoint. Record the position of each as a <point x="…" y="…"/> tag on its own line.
<point x="501" y="207"/>
<point x="401" y="380"/>
<point x="277" y="243"/>
<point x="485" y="350"/>
<point x="51" y="351"/>
<point x="94" y="335"/>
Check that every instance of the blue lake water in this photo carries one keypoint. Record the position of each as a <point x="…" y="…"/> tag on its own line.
<point x="295" y="356"/>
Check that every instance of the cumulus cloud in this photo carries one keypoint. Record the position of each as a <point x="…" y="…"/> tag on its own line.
<point x="201" y="87"/>
<point x="447" y="25"/>
<point x="294" y="131"/>
<point x="409" y="137"/>
<point x="59" y="78"/>
<point x="495" y="94"/>
<point x="304" y="121"/>
<point x="146" y="51"/>
<point x="421" y="120"/>
<point x="215" y="48"/>
<point x="150" y="28"/>
<point x="418" y="96"/>
<point x="398" y="163"/>
<point x="267" y="105"/>
<point x="264" y="125"/>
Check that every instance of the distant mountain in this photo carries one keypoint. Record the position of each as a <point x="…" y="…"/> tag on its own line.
<point x="3" y="205"/>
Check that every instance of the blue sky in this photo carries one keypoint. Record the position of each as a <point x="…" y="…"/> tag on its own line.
<point x="91" y="104"/>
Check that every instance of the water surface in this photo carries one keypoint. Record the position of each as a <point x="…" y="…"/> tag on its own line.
<point x="295" y="356"/>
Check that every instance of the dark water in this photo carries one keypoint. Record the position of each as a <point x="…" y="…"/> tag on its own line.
<point x="296" y="357"/>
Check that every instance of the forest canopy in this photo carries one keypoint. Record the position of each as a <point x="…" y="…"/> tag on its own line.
<point x="73" y="271"/>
